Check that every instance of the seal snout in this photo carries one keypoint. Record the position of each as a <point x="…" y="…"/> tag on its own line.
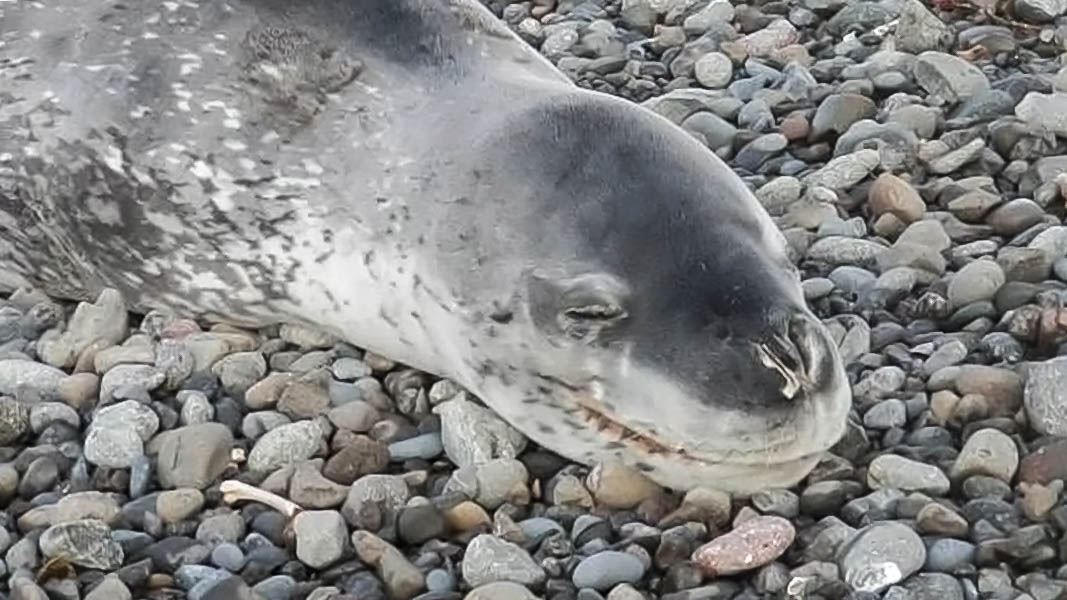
<point x="801" y="354"/>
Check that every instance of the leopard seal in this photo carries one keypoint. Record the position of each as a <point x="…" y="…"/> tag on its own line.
<point x="412" y="177"/>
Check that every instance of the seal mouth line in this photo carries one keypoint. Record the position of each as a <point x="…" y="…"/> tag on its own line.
<point x="605" y="422"/>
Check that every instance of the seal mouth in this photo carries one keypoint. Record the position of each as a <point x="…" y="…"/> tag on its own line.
<point x="589" y="406"/>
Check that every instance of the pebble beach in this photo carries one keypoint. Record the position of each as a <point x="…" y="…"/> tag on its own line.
<point x="914" y="155"/>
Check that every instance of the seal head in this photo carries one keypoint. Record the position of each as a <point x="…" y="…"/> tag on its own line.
<point x="653" y="301"/>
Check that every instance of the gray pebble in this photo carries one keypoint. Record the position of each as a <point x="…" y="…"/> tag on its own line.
<point x="228" y="556"/>
<point x="426" y="446"/>
<point x="881" y="555"/>
<point x="604" y="570"/>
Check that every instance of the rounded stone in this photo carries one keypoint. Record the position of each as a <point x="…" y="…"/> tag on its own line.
<point x="975" y="282"/>
<point x="750" y="545"/>
<point x="604" y="570"/>
<point x="987" y="452"/>
<point x="881" y="555"/>
<point x="488" y="559"/>
<point x="714" y="70"/>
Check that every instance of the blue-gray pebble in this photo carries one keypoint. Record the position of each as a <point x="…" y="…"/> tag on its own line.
<point x="279" y="587"/>
<point x="440" y="580"/>
<point x="425" y="446"/>
<point x="228" y="556"/>
<point x="605" y="570"/>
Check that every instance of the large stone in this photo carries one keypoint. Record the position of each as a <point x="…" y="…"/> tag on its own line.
<point x="321" y="537"/>
<point x="193" y="456"/>
<point x="949" y="76"/>
<point x="1045" y="111"/>
<point x="20" y="377"/>
<point x="105" y="322"/>
<point x="1045" y="396"/>
<point x="489" y="558"/>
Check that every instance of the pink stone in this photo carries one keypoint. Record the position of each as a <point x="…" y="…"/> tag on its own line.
<point x="750" y="545"/>
<point x="179" y="329"/>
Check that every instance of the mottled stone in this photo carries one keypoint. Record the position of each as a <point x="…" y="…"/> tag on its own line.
<point x="748" y="546"/>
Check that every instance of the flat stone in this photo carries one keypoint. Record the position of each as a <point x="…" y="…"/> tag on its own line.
<point x="14" y="420"/>
<point x="174" y="506"/>
<point x="949" y="76"/>
<point x="86" y="543"/>
<point x="1045" y="111"/>
<point x="1045" y="396"/>
<point x="285" y="445"/>
<point x="489" y="558"/>
<point x="752" y="544"/>
<point x="193" y="456"/>
<point x="86" y="505"/>
<point x="881" y="555"/>
<point x="20" y="377"/>
<point x="897" y="472"/>
<point x="321" y="537"/>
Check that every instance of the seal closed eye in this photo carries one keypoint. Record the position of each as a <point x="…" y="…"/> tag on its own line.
<point x="413" y="178"/>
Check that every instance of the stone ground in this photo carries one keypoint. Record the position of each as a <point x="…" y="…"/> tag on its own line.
<point x="915" y="157"/>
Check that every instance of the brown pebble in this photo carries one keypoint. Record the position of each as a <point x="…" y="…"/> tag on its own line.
<point x="362" y="456"/>
<point x="795" y="127"/>
<point x="701" y="504"/>
<point x="751" y="545"/>
<point x="179" y="328"/>
<point x="891" y="194"/>
<point x="1002" y="387"/>
<point x="305" y="398"/>
<point x="615" y="485"/>
<point x="467" y="516"/>
<point x="175" y="506"/>
<point x="936" y="519"/>
<point x="160" y="580"/>
<point x="80" y="390"/>
<point x="970" y="408"/>
<point x="1039" y="499"/>
<point x="1045" y="465"/>
<point x="87" y="358"/>
<point x="889" y="226"/>
<point x="402" y="579"/>
<point x="264" y="394"/>
<point x="943" y="405"/>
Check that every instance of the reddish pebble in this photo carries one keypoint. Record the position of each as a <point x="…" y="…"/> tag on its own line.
<point x="1046" y="464"/>
<point x="750" y="545"/>
<point x="179" y="329"/>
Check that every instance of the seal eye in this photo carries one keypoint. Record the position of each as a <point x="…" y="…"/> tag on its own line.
<point x="595" y="312"/>
<point x="576" y="308"/>
<point x="580" y="322"/>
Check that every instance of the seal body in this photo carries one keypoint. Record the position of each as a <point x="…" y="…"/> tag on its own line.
<point x="412" y="177"/>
